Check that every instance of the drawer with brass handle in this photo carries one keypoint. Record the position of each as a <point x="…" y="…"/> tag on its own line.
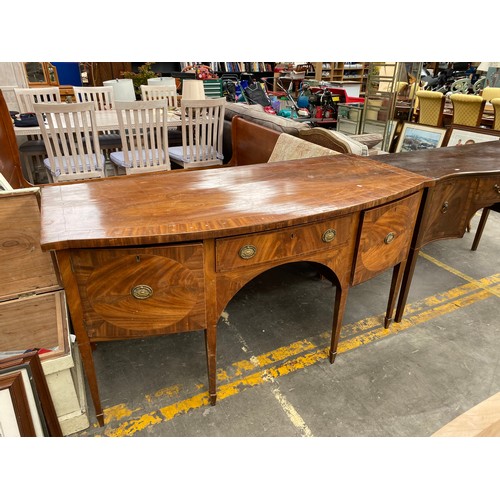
<point x="241" y="251"/>
<point x="127" y="290"/>
<point x="385" y="237"/>
<point x="488" y="190"/>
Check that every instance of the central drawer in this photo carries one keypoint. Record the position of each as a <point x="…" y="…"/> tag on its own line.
<point x="270" y="246"/>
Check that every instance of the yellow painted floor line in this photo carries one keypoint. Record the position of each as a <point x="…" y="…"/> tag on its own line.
<point x="302" y="354"/>
<point x="448" y="268"/>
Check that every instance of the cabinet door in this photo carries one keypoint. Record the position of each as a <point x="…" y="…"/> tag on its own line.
<point x="385" y="237"/>
<point x="127" y="292"/>
<point x="446" y="214"/>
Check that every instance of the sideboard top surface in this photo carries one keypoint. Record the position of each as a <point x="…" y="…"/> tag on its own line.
<point x="439" y="163"/>
<point x="195" y="204"/>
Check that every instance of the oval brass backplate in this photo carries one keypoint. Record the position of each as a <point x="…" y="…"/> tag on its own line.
<point x="141" y="292"/>
<point x="247" y="252"/>
<point x="444" y="208"/>
<point x="496" y="187"/>
<point x="329" y="235"/>
<point x="389" y="238"/>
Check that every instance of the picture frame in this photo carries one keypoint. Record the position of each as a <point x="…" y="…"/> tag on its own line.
<point x="415" y="137"/>
<point x="25" y="399"/>
<point x="459" y="135"/>
<point x="392" y="131"/>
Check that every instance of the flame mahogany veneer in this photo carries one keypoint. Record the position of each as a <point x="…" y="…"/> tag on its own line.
<point x="162" y="253"/>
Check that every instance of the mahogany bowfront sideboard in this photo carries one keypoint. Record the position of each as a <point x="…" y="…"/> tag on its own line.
<point x="464" y="179"/>
<point x="163" y="253"/>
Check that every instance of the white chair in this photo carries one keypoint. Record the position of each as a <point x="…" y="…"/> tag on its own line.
<point x="154" y="92"/>
<point x="33" y="151"/>
<point x="143" y="128"/>
<point x="70" y="135"/>
<point x="202" y="129"/>
<point x="103" y="99"/>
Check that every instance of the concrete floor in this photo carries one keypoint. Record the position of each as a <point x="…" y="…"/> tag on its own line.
<point x="274" y="376"/>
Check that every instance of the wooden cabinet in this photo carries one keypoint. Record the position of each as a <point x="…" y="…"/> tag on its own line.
<point x="194" y="238"/>
<point x="33" y="312"/>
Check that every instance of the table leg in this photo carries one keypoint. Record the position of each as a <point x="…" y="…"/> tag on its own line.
<point x="397" y="275"/>
<point x="338" y="314"/>
<point x="480" y="228"/>
<point x="405" y="287"/>
<point x="88" y="365"/>
<point x="210" y="345"/>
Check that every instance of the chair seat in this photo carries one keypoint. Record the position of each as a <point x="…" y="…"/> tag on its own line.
<point x="174" y="136"/>
<point x="57" y="171"/>
<point x="110" y="140"/>
<point x="118" y="157"/>
<point x="176" y="154"/>
<point x="33" y="146"/>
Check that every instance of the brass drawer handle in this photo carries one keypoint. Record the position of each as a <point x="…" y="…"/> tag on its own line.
<point x="444" y="208"/>
<point x="389" y="238"/>
<point x="247" y="252"/>
<point x="496" y="187"/>
<point x="141" y="292"/>
<point x="329" y="235"/>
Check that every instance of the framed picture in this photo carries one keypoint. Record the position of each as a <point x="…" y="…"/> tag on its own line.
<point x="415" y="137"/>
<point x="392" y="132"/>
<point x="460" y="135"/>
<point x="26" y="406"/>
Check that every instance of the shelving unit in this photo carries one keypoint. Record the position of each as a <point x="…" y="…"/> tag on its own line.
<point x="342" y="72"/>
<point x="382" y="96"/>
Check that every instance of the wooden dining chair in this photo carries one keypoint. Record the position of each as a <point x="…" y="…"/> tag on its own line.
<point x="153" y="92"/>
<point x="32" y="151"/>
<point x="143" y="128"/>
<point x="103" y="99"/>
<point x="431" y="107"/>
<point x="202" y="130"/>
<point x="467" y="109"/>
<point x="70" y="135"/>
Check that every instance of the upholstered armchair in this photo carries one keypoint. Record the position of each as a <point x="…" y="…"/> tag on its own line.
<point x="467" y="109"/>
<point x="496" y="108"/>
<point x="431" y="106"/>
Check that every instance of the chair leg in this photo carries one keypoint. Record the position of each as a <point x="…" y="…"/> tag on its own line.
<point x="480" y="227"/>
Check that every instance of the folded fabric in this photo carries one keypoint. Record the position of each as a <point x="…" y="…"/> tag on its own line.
<point x="289" y="147"/>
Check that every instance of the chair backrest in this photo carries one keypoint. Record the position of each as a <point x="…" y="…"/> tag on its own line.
<point x="154" y="92"/>
<point x="144" y="131"/>
<point x="478" y="87"/>
<point x="102" y="97"/>
<point x="496" y="107"/>
<point x="461" y="86"/>
<point x="26" y="98"/>
<point x="490" y="93"/>
<point x="467" y="109"/>
<point x="71" y="140"/>
<point x="10" y="163"/>
<point x="202" y="130"/>
<point x="431" y="107"/>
